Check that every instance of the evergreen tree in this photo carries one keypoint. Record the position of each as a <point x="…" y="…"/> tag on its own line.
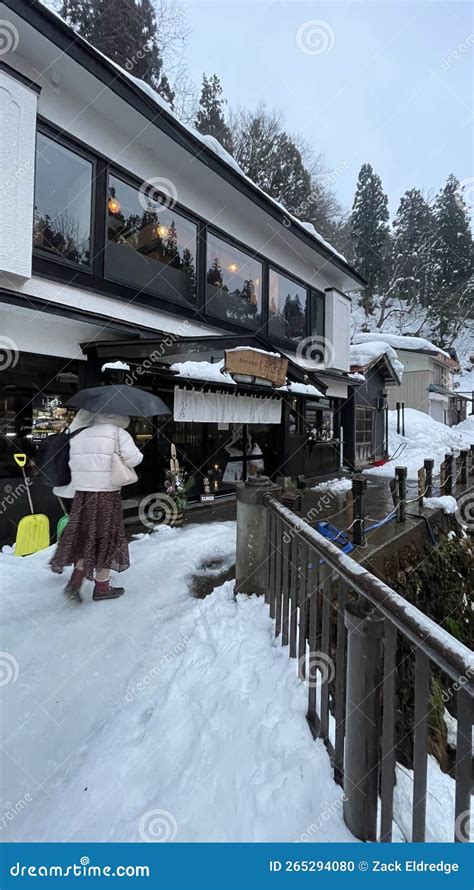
<point x="454" y="297"/>
<point x="126" y="32"/>
<point x="413" y="246"/>
<point x="210" y="119"/>
<point x="370" y="233"/>
<point x="271" y="158"/>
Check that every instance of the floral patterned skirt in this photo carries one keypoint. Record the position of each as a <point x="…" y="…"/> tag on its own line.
<point x="94" y="533"/>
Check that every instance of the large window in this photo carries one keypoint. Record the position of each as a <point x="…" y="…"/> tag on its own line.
<point x="233" y="284"/>
<point x="150" y="246"/>
<point x="287" y="308"/>
<point x="63" y="202"/>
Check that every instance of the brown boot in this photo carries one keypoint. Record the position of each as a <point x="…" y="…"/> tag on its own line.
<point x="103" y="590"/>
<point x="73" y="586"/>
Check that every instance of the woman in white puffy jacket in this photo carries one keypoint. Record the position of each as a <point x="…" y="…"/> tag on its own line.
<point x="101" y="457"/>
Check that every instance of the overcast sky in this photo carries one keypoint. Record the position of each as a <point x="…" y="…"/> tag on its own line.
<point x="385" y="82"/>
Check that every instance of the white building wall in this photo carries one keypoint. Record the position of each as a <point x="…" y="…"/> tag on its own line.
<point x="17" y="165"/>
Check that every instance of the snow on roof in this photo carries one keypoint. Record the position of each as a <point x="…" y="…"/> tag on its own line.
<point x="302" y="389"/>
<point x="210" y="142"/>
<point x="401" y="341"/>
<point x="254" y="349"/>
<point x="211" y="372"/>
<point x="363" y="354"/>
<point x="115" y="366"/>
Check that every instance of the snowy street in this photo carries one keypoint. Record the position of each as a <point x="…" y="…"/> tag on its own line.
<point x="157" y="716"/>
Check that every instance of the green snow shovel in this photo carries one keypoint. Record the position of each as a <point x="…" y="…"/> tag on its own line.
<point x="62" y="523"/>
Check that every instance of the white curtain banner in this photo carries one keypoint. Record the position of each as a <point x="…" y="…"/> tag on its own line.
<point x="195" y="406"/>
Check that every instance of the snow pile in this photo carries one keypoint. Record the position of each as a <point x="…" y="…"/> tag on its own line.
<point x="446" y="503"/>
<point x="115" y="366"/>
<point x="302" y="389"/>
<point x="335" y="486"/>
<point x="452" y="731"/>
<point x="466" y="427"/>
<point x="364" y="353"/>
<point x="400" y="341"/>
<point x="440" y="794"/>
<point x="212" y="372"/>
<point x="156" y="712"/>
<point x="424" y="437"/>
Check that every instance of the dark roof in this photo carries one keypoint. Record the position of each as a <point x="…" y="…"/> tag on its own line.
<point x="61" y="34"/>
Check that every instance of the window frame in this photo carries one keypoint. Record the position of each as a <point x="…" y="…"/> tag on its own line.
<point x="75" y="148"/>
<point x="102" y="166"/>
<point x="227" y="239"/>
<point x="272" y="267"/>
<point x="135" y="183"/>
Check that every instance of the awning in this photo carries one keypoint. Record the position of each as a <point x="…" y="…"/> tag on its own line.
<point x="199" y="406"/>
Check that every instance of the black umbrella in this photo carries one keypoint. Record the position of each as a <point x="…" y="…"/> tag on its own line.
<point x="118" y="398"/>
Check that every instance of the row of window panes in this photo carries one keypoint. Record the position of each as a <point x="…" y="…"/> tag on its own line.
<point x="152" y="247"/>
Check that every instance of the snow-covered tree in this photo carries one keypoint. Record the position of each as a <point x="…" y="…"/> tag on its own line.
<point x="412" y="249"/>
<point x="126" y="32"/>
<point x="270" y="156"/>
<point x="454" y="296"/>
<point x="210" y="118"/>
<point x="370" y="233"/>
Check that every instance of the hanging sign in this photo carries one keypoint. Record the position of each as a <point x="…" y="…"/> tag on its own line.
<point x="252" y="363"/>
<point x="197" y="406"/>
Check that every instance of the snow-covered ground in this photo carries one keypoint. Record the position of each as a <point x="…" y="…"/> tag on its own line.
<point x="424" y="437"/>
<point x="158" y="717"/>
<point x="155" y="716"/>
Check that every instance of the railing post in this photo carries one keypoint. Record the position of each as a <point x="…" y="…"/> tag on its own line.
<point x="448" y="482"/>
<point x="359" y="486"/>
<point x="471" y="471"/>
<point x="362" y="723"/>
<point x="401" y="477"/>
<point x="464" y="465"/>
<point x="251" y="569"/>
<point x="428" y="465"/>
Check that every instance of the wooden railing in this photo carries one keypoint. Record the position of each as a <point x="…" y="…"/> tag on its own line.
<point x="343" y="625"/>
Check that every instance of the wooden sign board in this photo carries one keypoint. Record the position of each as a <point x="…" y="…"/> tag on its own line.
<point x="257" y="364"/>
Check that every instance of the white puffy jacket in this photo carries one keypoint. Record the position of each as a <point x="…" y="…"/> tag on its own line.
<point x="90" y="454"/>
